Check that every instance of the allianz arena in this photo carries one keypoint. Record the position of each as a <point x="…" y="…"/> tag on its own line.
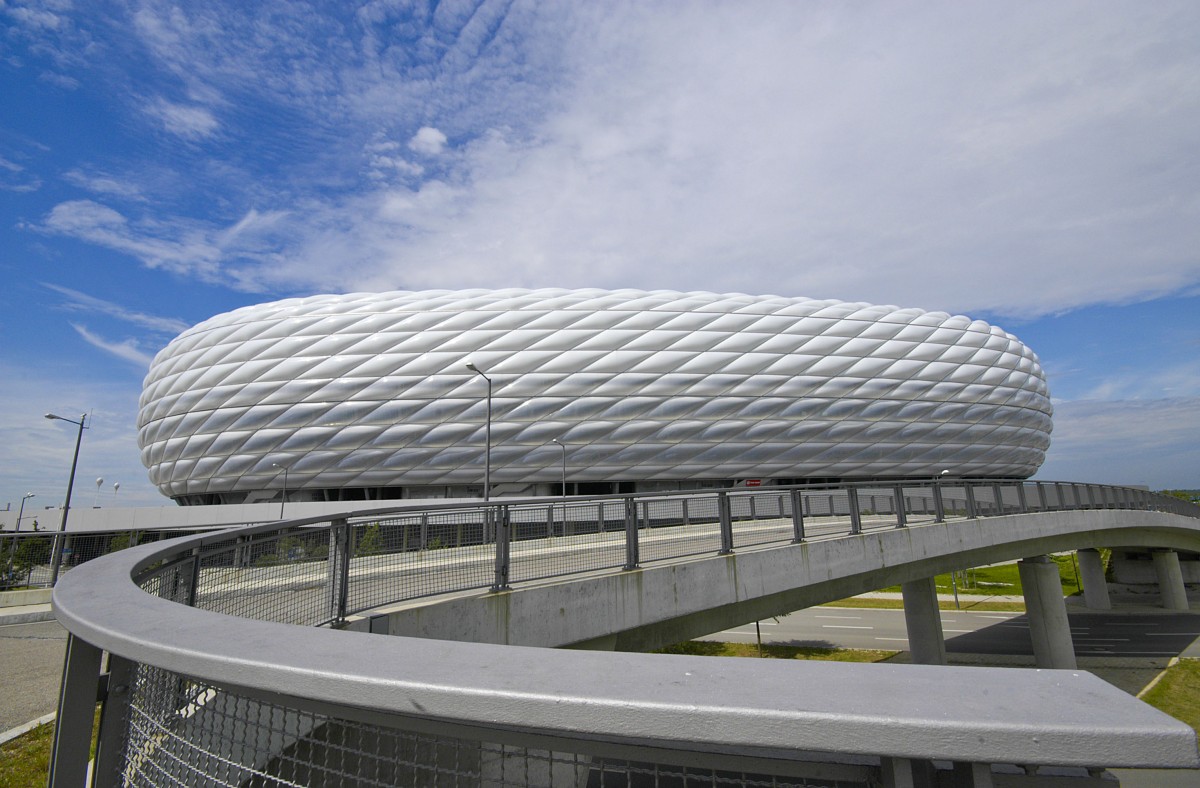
<point x="368" y="396"/>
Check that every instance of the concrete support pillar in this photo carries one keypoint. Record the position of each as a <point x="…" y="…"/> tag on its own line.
<point x="1170" y="579"/>
<point x="1047" y="612"/>
<point x="1095" y="587"/>
<point x="924" y="622"/>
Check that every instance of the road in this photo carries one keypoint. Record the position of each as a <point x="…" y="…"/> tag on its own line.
<point x="32" y="658"/>
<point x="977" y="632"/>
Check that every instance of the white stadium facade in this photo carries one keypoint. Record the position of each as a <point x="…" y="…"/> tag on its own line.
<point x="368" y="396"/>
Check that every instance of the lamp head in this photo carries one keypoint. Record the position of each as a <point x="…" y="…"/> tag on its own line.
<point x="28" y="495"/>
<point x="945" y="472"/>
<point x="471" y="366"/>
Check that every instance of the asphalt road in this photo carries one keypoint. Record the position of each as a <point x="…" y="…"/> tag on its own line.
<point x="1111" y="634"/>
<point x="32" y="658"/>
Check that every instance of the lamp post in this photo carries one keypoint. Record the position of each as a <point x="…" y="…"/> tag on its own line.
<point x="12" y="552"/>
<point x="487" y="451"/>
<point x="283" y="498"/>
<point x="563" y="446"/>
<point x="56" y="561"/>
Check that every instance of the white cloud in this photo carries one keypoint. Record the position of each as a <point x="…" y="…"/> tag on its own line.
<point x="85" y="302"/>
<point x="1150" y="442"/>
<point x="428" y="141"/>
<point x="127" y="349"/>
<point x="109" y="446"/>
<point x="192" y="122"/>
<point x="101" y="183"/>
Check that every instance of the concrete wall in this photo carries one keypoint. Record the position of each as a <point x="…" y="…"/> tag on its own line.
<point x="1136" y="567"/>
<point x="662" y="604"/>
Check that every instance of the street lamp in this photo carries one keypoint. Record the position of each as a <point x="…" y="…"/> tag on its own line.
<point x="12" y="553"/>
<point x="283" y="498"/>
<point x="487" y="452"/>
<point x="56" y="562"/>
<point x="563" y="446"/>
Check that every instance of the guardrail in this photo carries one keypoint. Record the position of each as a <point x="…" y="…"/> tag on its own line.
<point x="173" y="714"/>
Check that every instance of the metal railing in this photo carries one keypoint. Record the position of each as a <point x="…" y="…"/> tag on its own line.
<point x="171" y="727"/>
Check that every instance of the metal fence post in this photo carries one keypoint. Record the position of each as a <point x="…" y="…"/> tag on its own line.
<point x="855" y="514"/>
<point x="969" y="491"/>
<point x="550" y="520"/>
<point x="898" y="503"/>
<point x="939" y="505"/>
<point x="1021" y="500"/>
<point x="498" y="516"/>
<point x="725" y="515"/>
<point x="114" y="722"/>
<point x="632" y="554"/>
<point x="797" y="516"/>
<point x="70" y="752"/>
<point x="339" y="567"/>
<point x="193" y="578"/>
<point x="999" y="497"/>
<point x="684" y="507"/>
<point x="1042" y="505"/>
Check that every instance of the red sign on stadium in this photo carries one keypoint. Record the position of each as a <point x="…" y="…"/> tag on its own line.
<point x="754" y="482"/>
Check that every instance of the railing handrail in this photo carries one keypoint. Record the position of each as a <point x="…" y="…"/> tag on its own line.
<point x="758" y="706"/>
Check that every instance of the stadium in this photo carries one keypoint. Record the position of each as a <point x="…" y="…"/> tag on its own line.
<point x="368" y="396"/>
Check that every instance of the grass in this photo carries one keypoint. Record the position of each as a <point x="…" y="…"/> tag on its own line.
<point x="26" y="759"/>
<point x="898" y="604"/>
<point x="706" y="648"/>
<point x="1004" y="579"/>
<point x="1178" y="692"/>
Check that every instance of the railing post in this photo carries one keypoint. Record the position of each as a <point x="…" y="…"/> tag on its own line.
<point x="999" y="498"/>
<point x="193" y="578"/>
<point x="939" y="504"/>
<point x="70" y="752"/>
<point x="632" y="556"/>
<point x="1021" y="501"/>
<point x="1042" y="505"/>
<point x="1091" y="496"/>
<point x="797" y="516"/>
<point x="1075" y="494"/>
<point x="969" y="491"/>
<point x="753" y="507"/>
<point x="498" y="517"/>
<point x="898" y="503"/>
<point x="855" y="514"/>
<point x="550" y="520"/>
<point x="114" y="722"/>
<point x="725" y="515"/>
<point x="684" y="502"/>
<point x="1062" y="496"/>
<point x="339" y="567"/>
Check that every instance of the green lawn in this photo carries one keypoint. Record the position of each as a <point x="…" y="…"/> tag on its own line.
<point x="1178" y="692"/>
<point x="1004" y="579"/>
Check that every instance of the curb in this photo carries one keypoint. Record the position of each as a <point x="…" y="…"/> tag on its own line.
<point x="21" y="730"/>
<point x="45" y="613"/>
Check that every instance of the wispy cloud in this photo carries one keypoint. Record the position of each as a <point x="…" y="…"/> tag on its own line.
<point x="14" y="178"/>
<point x="127" y="349"/>
<point x="190" y="121"/>
<point x="102" y="183"/>
<point x="84" y="302"/>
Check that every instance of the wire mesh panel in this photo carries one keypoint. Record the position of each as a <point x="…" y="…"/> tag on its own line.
<point x="766" y="518"/>
<point x="414" y="556"/>
<point x="876" y="508"/>
<point x="828" y="513"/>
<point x="678" y="527"/>
<point x="187" y="733"/>
<point x="586" y="537"/>
<point x="282" y="576"/>
<point x="919" y="505"/>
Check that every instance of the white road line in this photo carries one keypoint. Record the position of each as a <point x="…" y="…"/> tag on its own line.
<point x="958" y="630"/>
<point x="842" y="626"/>
<point x="847" y="618"/>
<point x="901" y="640"/>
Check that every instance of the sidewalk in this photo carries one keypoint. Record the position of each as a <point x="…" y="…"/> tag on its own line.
<point x="25" y="614"/>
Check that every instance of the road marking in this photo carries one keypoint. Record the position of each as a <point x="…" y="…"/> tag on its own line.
<point x="1172" y="634"/>
<point x="842" y="626"/>
<point x="901" y="640"/>
<point x="958" y="630"/>
<point x="1103" y="640"/>
<point x="846" y="618"/>
<point x="998" y="618"/>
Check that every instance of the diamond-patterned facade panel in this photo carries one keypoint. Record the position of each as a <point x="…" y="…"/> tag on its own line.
<point x="372" y="390"/>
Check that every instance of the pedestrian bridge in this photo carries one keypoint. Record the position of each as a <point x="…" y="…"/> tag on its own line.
<point x="254" y="656"/>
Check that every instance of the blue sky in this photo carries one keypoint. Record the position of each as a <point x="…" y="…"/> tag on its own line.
<point x="1035" y="165"/>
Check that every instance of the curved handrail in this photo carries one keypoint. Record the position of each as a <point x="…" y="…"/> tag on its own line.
<point x="760" y="707"/>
